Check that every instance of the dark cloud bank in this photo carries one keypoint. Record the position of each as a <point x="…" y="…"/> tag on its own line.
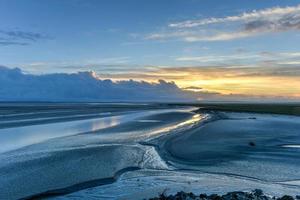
<point x="83" y="86"/>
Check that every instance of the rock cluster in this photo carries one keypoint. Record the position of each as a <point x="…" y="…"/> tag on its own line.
<point x="254" y="195"/>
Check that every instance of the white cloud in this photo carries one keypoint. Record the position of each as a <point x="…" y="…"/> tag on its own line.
<point x="217" y="58"/>
<point x="247" y="59"/>
<point x="248" y="24"/>
<point x="271" y="14"/>
<point x="218" y="37"/>
<point x="290" y="63"/>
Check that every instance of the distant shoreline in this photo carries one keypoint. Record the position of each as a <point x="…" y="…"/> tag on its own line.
<point x="267" y="108"/>
<point x="288" y="108"/>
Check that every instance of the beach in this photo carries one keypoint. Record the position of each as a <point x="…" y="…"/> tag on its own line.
<point x="139" y="151"/>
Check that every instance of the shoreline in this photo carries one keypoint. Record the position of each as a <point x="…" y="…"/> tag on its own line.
<point x="262" y="108"/>
<point x="219" y="152"/>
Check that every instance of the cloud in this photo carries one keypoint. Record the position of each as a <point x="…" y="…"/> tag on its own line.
<point x="270" y="14"/>
<point x="89" y="86"/>
<point x="83" y="86"/>
<point x="8" y="43"/>
<point x="193" y="88"/>
<point x="214" y="72"/>
<point x="270" y="80"/>
<point x="22" y="38"/>
<point x="248" y="24"/>
<point x="218" y="37"/>
<point x="265" y="58"/>
<point x="218" y="58"/>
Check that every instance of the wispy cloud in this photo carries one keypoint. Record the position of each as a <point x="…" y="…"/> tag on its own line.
<point x="4" y="42"/>
<point x="265" y="58"/>
<point x="16" y="37"/>
<point x="277" y="19"/>
<point x="274" y="14"/>
<point x="99" y="64"/>
<point x="218" y="58"/>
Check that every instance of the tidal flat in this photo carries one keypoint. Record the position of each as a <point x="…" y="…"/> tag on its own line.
<point x="138" y="151"/>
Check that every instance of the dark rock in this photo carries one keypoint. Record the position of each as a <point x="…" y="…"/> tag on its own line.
<point x="252" y="144"/>
<point x="214" y="197"/>
<point x="258" y="192"/>
<point x="237" y="196"/>
<point x="181" y="195"/>
<point x="171" y="197"/>
<point x="286" y="197"/>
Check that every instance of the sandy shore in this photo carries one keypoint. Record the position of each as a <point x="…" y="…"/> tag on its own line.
<point x="250" y="145"/>
<point x="146" y="153"/>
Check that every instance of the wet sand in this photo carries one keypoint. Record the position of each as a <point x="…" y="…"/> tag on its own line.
<point x="94" y="155"/>
<point x="250" y="145"/>
<point x="151" y="150"/>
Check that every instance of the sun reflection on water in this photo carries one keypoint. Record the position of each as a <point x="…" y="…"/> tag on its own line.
<point x="105" y="123"/>
<point x="193" y="120"/>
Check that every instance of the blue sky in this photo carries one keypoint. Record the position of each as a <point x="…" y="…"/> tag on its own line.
<point x="88" y="32"/>
<point x="137" y="39"/>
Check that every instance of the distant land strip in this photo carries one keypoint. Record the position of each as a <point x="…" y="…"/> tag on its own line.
<point x="282" y="108"/>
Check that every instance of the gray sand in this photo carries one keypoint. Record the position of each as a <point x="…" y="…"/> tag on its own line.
<point x="142" y="153"/>
<point x="240" y="145"/>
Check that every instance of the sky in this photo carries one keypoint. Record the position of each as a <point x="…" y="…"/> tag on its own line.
<point x="232" y="48"/>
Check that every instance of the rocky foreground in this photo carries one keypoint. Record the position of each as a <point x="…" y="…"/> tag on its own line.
<point x="254" y="195"/>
